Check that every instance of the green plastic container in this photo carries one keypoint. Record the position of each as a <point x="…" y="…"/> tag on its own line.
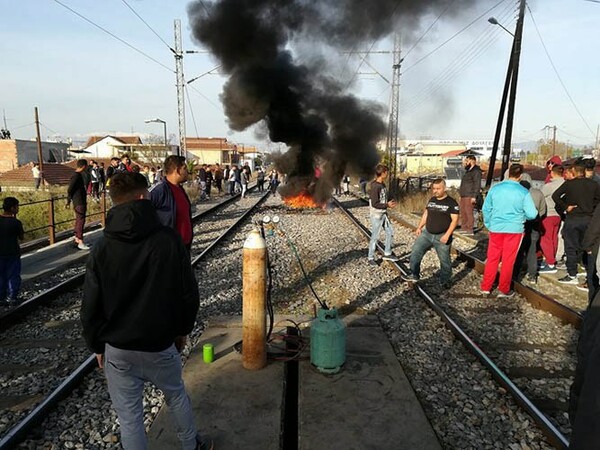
<point x="327" y="341"/>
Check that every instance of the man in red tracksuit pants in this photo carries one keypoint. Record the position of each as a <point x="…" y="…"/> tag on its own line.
<point x="506" y="208"/>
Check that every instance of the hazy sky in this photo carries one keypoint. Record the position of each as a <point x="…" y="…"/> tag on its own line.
<point x="86" y="82"/>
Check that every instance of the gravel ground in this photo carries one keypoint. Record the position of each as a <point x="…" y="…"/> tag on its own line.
<point x="465" y="406"/>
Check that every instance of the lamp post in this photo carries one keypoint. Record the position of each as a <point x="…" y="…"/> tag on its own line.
<point x="493" y="21"/>
<point x="164" y="128"/>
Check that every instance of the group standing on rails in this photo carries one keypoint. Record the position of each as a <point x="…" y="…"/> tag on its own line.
<point x="564" y="214"/>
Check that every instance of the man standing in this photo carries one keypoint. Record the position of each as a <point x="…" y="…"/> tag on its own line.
<point x="551" y="222"/>
<point x="77" y="194"/>
<point x="577" y="198"/>
<point x="506" y="208"/>
<point x="435" y="230"/>
<point x="37" y="177"/>
<point x="470" y="187"/>
<point x="378" y="210"/>
<point x="137" y="328"/>
<point x="171" y="201"/>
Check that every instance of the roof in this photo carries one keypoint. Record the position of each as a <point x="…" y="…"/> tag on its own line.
<point x="452" y="153"/>
<point x="53" y="174"/>
<point x="124" y="139"/>
<point x="537" y="173"/>
<point x="201" y="143"/>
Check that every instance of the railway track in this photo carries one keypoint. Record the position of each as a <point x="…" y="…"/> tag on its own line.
<point x="57" y="343"/>
<point x="504" y="335"/>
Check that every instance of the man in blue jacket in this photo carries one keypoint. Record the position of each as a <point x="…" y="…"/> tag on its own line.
<point x="170" y="200"/>
<point x="506" y="208"/>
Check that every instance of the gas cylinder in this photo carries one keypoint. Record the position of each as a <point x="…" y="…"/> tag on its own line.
<point x="327" y="341"/>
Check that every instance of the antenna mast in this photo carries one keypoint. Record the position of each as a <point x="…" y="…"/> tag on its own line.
<point x="180" y="85"/>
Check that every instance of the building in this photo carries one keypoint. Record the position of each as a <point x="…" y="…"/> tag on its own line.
<point x="21" y="178"/>
<point x="17" y="152"/>
<point x="427" y="157"/>
<point x="219" y="150"/>
<point x="108" y="146"/>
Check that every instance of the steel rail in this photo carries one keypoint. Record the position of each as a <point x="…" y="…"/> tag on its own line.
<point x="554" y="436"/>
<point x="13" y="316"/>
<point x="17" y="433"/>
<point x="536" y="298"/>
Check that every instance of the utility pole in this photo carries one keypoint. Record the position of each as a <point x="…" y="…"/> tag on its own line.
<point x="180" y="85"/>
<point x="597" y="141"/>
<point x="39" y="142"/>
<point x="510" y="87"/>
<point x="554" y="140"/>
<point x="392" y="138"/>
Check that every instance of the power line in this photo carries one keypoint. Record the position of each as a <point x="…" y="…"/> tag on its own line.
<point x="203" y="96"/>
<point x="471" y="53"/>
<point x="558" y="75"/>
<point x="146" y="23"/>
<point x="191" y="111"/>
<point x="430" y="27"/>
<point x="50" y="129"/>
<point x="113" y="35"/>
<point x="455" y="35"/>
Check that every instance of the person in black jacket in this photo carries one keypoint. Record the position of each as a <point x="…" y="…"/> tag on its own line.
<point x="577" y="198"/>
<point x="379" y="204"/>
<point x="140" y="300"/>
<point x="470" y="188"/>
<point x="77" y="193"/>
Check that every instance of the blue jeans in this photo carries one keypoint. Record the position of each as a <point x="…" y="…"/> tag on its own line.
<point x="424" y="242"/>
<point x="378" y="221"/>
<point x="10" y="277"/>
<point x="126" y="371"/>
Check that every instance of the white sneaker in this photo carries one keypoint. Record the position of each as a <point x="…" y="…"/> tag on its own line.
<point x="83" y="246"/>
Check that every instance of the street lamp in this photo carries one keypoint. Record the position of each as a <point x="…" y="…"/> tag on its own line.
<point x="493" y="21"/>
<point x="164" y="127"/>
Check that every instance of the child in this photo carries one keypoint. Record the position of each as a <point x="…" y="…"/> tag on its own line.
<point x="11" y="230"/>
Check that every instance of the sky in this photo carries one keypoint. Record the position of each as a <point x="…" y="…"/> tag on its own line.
<point x="85" y="82"/>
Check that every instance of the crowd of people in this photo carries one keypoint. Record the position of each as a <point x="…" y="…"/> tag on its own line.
<point x="528" y="228"/>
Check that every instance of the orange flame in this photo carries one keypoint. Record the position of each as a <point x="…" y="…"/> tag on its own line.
<point x="302" y="200"/>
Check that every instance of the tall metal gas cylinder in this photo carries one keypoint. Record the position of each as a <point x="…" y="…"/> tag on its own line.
<point x="327" y="341"/>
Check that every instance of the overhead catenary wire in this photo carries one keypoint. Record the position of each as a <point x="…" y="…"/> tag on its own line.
<point x="458" y="64"/>
<point x="187" y="95"/>
<point x="558" y="75"/>
<point x="455" y="35"/>
<point x="91" y="22"/>
<point x="429" y="28"/>
<point x="147" y="25"/>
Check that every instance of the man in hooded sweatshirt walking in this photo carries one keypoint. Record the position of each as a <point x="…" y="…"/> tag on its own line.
<point x="140" y="301"/>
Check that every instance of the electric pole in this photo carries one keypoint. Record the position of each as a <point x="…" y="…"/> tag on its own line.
<point x="392" y="137"/>
<point x="180" y="85"/>
<point x="39" y="142"/>
<point x="510" y="89"/>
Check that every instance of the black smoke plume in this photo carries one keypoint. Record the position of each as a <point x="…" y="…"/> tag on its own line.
<point x="299" y="98"/>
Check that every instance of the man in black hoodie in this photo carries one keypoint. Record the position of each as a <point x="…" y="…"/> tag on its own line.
<point x="470" y="187"/>
<point x="140" y="302"/>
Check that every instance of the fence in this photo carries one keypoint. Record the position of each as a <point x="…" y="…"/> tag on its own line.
<point x="44" y="219"/>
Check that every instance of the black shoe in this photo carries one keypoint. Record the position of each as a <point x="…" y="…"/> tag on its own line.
<point x="373" y="262"/>
<point x="410" y="278"/>
<point x="206" y="444"/>
<point x="447" y="285"/>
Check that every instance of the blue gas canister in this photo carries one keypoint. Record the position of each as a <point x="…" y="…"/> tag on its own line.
<point x="327" y="341"/>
